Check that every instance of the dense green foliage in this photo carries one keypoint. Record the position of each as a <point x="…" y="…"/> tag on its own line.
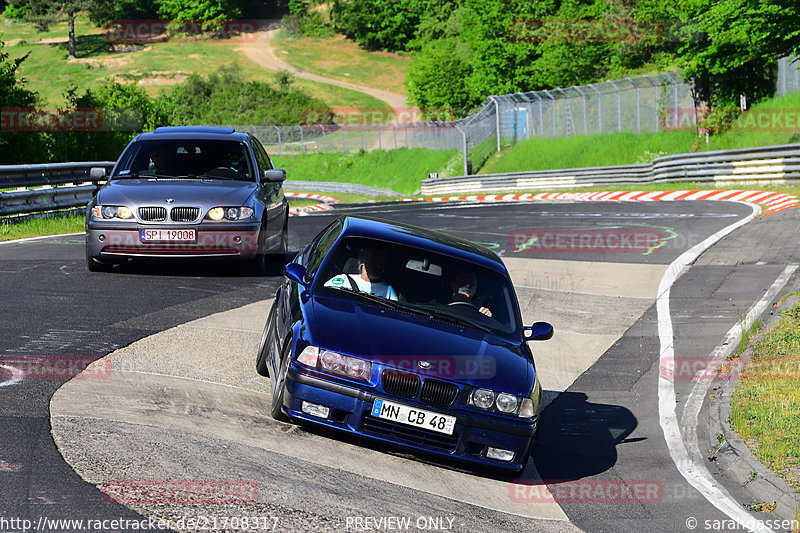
<point x="727" y="48"/>
<point x="225" y="97"/>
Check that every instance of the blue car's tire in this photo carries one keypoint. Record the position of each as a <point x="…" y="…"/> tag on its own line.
<point x="279" y="384"/>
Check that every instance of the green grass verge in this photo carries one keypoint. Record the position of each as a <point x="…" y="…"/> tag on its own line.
<point x="588" y="151"/>
<point x="766" y="403"/>
<point x="35" y="227"/>
<point x="399" y="170"/>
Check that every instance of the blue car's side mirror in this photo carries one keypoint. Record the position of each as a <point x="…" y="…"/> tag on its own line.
<point x="539" y="331"/>
<point x="297" y="273"/>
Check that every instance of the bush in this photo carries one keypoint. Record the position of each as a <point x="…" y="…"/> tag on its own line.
<point x="17" y="11"/>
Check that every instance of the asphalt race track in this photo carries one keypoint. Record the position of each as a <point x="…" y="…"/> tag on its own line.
<point x="175" y="398"/>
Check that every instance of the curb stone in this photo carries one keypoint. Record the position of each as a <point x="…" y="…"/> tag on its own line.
<point x="733" y="456"/>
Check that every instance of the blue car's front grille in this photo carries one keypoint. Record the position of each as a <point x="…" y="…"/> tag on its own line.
<point x="400" y="383"/>
<point x="438" y="392"/>
<point x="421" y="437"/>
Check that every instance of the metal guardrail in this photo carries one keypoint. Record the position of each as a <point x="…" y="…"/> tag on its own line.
<point x="745" y="166"/>
<point x="59" y="186"/>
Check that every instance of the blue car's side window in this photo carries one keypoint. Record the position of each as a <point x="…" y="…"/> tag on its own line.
<point x="319" y="249"/>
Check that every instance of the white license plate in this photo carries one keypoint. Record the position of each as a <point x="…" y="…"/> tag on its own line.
<point x="170" y="235"/>
<point x="413" y="416"/>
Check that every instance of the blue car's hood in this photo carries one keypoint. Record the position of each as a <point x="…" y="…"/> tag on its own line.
<point x="205" y="193"/>
<point x="402" y="339"/>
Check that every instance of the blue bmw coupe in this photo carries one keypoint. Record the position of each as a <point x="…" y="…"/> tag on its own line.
<point x="408" y="337"/>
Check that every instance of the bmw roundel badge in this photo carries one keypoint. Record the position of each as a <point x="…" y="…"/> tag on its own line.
<point x="170" y="200"/>
<point x="424" y="364"/>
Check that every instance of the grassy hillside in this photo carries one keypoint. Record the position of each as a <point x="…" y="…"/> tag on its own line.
<point x="341" y="59"/>
<point x="155" y="66"/>
<point x="400" y="170"/>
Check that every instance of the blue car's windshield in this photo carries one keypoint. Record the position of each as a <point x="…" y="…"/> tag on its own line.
<point x="173" y="158"/>
<point x="448" y="288"/>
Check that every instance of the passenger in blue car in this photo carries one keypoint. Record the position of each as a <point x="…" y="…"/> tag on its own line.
<point x="371" y="266"/>
<point x="463" y="289"/>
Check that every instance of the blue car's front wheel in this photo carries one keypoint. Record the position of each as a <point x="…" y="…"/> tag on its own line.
<point x="279" y="383"/>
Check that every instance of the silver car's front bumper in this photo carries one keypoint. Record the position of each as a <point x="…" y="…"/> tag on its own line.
<point x="108" y="241"/>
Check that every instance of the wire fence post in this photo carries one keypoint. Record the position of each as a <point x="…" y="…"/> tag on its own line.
<point x="599" y="109"/>
<point x="497" y="119"/>
<point x="464" y="149"/>
<point x="583" y="100"/>
<point x="638" y="119"/>
<point x="363" y="145"/>
<point x="277" y="129"/>
<point x="619" y="107"/>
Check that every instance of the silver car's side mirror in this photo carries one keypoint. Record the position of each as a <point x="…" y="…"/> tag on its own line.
<point x="275" y="175"/>
<point x="97" y="173"/>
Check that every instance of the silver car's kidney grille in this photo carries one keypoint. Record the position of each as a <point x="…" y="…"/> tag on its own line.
<point x="184" y="214"/>
<point x="153" y="214"/>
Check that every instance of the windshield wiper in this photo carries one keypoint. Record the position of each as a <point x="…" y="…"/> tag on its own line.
<point x="456" y="319"/>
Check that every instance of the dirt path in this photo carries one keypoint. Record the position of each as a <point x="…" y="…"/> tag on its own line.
<point x="261" y="51"/>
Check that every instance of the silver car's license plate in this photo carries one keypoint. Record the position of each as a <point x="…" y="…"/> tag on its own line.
<point x="169" y="235"/>
<point x="413" y="416"/>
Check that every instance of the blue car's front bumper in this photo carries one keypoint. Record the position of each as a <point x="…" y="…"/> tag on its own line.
<point x="350" y="410"/>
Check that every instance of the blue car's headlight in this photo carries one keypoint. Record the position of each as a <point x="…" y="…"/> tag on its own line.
<point x="530" y="406"/>
<point x="229" y="213"/>
<point x="108" y="212"/>
<point x="335" y="363"/>
<point x="504" y="402"/>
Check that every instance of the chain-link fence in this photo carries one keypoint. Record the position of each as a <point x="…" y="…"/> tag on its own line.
<point x="334" y="138"/>
<point x="641" y="104"/>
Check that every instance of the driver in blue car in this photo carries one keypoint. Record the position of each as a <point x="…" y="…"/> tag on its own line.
<point x="371" y="265"/>
<point x="463" y="289"/>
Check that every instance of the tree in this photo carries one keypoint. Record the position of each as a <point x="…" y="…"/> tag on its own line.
<point x="45" y="13"/>
<point x="16" y="146"/>
<point x="728" y="48"/>
<point x="436" y="80"/>
<point x="200" y="10"/>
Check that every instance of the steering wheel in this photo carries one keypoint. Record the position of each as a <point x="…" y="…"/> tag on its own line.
<point x="464" y="303"/>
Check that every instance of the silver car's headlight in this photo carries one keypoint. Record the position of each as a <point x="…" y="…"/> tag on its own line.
<point x="108" y="212"/>
<point x="229" y="213"/>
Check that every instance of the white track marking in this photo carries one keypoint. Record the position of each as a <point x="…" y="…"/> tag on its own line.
<point x="16" y="376"/>
<point x="695" y="473"/>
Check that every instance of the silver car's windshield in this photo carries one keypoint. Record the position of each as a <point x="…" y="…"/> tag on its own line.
<point x="438" y="285"/>
<point x="193" y="158"/>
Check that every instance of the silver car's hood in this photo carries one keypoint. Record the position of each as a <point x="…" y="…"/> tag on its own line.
<point x="205" y="193"/>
